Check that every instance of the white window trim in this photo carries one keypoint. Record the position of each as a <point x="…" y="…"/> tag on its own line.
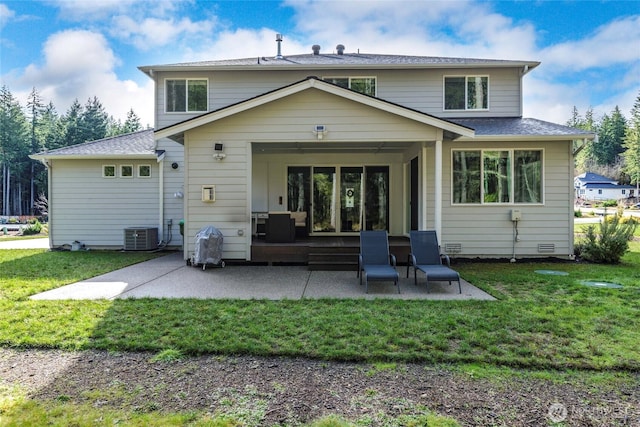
<point x="186" y="95"/>
<point x="144" y="176"/>
<point x="466" y="76"/>
<point x="129" y="176"/>
<point x="511" y="190"/>
<point x="375" y="78"/>
<point x="115" y="172"/>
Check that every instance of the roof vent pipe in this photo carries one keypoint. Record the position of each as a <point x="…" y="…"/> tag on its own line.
<point x="316" y="49"/>
<point x="340" y="49"/>
<point x="279" y="41"/>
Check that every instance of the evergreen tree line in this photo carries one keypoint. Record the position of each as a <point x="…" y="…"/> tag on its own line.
<point x="37" y="127"/>
<point x="615" y="153"/>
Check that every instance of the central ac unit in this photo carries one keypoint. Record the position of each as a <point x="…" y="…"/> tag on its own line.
<point x="140" y="238"/>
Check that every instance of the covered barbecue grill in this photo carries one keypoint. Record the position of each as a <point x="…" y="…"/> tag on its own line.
<point x="208" y="250"/>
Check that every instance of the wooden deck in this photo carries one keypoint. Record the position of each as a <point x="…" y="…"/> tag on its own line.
<point x="322" y="252"/>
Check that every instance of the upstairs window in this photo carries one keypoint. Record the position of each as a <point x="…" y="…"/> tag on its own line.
<point x="466" y="93"/>
<point x="365" y="85"/>
<point x="186" y="95"/>
<point x="497" y="176"/>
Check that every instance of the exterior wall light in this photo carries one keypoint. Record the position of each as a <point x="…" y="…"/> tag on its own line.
<point x="218" y="149"/>
<point x="320" y="131"/>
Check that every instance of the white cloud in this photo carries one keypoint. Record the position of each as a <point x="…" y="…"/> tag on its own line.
<point x="93" y="10"/>
<point x="6" y="14"/>
<point x="151" y="33"/>
<point x="244" y="43"/>
<point x="455" y="28"/>
<point x="79" y="64"/>
<point x="617" y="42"/>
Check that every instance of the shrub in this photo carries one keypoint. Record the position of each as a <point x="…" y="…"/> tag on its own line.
<point x="608" y="243"/>
<point x="33" y="228"/>
<point x="610" y="203"/>
<point x="621" y="219"/>
<point x="577" y="213"/>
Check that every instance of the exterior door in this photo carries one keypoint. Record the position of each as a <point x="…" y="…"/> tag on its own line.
<point x="376" y="189"/>
<point x="413" y="195"/>
<point x="351" y="181"/>
<point x="324" y="216"/>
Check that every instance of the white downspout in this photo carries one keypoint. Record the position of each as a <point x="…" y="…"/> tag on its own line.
<point x="47" y="164"/>
<point x="437" y="205"/>
<point x="572" y="208"/>
<point x="161" y="199"/>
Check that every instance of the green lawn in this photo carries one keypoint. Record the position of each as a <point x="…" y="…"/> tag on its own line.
<point x="539" y="322"/>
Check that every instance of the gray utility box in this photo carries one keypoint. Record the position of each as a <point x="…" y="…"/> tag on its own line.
<point x="140" y="238"/>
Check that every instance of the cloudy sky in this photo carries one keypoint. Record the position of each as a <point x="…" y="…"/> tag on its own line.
<point x="77" y="49"/>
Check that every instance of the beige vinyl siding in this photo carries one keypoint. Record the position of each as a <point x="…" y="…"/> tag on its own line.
<point x="418" y="89"/>
<point x="487" y="230"/>
<point x="229" y="212"/>
<point x="94" y="210"/>
<point x="286" y="120"/>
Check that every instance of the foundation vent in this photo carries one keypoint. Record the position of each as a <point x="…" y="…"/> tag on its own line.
<point x="546" y="248"/>
<point x="453" y="248"/>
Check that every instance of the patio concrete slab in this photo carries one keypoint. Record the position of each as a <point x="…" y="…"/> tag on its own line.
<point x="170" y="277"/>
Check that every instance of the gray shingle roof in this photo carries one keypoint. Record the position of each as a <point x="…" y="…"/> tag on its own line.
<point x="590" y="178"/>
<point x="350" y="60"/>
<point x="608" y="185"/>
<point x="131" y="144"/>
<point x="518" y="126"/>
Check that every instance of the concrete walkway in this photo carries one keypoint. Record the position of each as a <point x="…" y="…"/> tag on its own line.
<point x="42" y="243"/>
<point x="170" y="277"/>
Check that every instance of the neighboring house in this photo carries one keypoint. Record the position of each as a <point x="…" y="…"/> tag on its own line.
<point x="593" y="187"/>
<point x="359" y="141"/>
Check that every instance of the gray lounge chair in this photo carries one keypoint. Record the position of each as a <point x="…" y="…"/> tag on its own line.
<point x="425" y="256"/>
<point x="375" y="263"/>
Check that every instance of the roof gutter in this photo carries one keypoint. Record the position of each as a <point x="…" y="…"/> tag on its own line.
<point x="526" y="67"/>
<point x="511" y="138"/>
<point x="42" y="157"/>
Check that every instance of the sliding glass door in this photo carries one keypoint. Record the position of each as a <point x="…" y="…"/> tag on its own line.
<point x="341" y="199"/>
<point x="377" y="197"/>
<point x="324" y="199"/>
<point x="351" y="181"/>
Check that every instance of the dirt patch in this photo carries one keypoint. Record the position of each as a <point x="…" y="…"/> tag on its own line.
<point x="297" y="391"/>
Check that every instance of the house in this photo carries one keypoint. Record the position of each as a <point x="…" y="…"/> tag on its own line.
<point x="353" y="140"/>
<point x="593" y="187"/>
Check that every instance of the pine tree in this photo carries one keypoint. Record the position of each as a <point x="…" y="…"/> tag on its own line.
<point x="13" y="144"/>
<point x="610" y="138"/>
<point x="73" y="133"/>
<point x="35" y="108"/>
<point x="132" y="124"/>
<point x="94" y="120"/>
<point x="632" y="146"/>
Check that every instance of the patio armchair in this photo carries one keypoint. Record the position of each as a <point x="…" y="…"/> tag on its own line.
<point x="280" y="228"/>
<point x="300" y="218"/>
<point x="375" y="263"/>
<point x="425" y="256"/>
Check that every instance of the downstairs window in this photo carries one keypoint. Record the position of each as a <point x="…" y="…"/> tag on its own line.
<point x="497" y="176"/>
